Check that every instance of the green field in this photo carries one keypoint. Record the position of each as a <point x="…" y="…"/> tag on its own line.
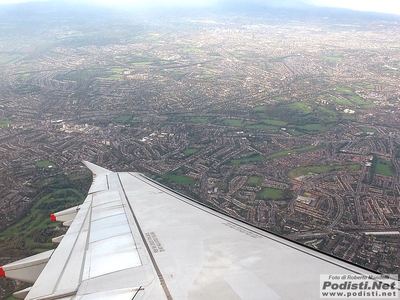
<point x="295" y="132"/>
<point x="384" y="167"/>
<point x="262" y="127"/>
<point x="259" y="108"/>
<point x="198" y="119"/>
<point x="180" y="179"/>
<point x="142" y="63"/>
<point x="36" y="230"/>
<point x="247" y="160"/>
<point x="254" y="181"/>
<point x="5" y="123"/>
<point x="357" y="100"/>
<point x="302" y="107"/>
<point x="191" y="49"/>
<point x="367" y="129"/>
<point x="312" y="127"/>
<point x="233" y="122"/>
<point x="344" y="90"/>
<point x="365" y="85"/>
<point x="279" y="98"/>
<point x="352" y="96"/>
<point x="190" y="151"/>
<point x="333" y="56"/>
<point x="270" y="194"/>
<point x="287" y="152"/>
<point x="306" y="170"/>
<point x="8" y="58"/>
<point x="274" y="122"/>
<point x="45" y="164"/>
<point x="122" y="119"/>
<point x="337" y="100"/>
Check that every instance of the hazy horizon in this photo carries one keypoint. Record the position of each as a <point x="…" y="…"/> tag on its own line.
<point x="383" y="6"/>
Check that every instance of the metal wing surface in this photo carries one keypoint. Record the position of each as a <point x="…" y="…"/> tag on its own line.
<point x="133" y="238"/>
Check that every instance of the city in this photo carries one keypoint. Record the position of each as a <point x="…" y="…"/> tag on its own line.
<point x="289" y="122"/>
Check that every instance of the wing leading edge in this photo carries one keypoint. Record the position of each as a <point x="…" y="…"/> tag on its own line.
<point x="133" y="238"/>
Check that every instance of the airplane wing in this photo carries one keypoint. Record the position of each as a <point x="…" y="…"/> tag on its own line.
<point x="133" y="238"/>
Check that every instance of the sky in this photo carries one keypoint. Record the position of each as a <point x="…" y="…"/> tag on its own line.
<point x="383" y="6"/>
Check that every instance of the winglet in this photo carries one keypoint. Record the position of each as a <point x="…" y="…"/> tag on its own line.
<point x="2" y="273"/>
<point x="96" y="170"/>
<point x="53" y="217"/>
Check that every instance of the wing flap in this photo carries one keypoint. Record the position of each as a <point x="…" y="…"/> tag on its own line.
<point x="27" y="269"/>
<point x="65" y="215"/>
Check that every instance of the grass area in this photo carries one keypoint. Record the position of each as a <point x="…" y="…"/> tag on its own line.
<point x="270" y="194"/>
<point x="344" y="90"/>
<point x="349" y="117"/>
<point x="142" y="63"/>
<point x="351" y="96"/>
<point x="301" y="107"/>
<point x="260" y="108"/>
<point x="190" y="151"/>
<point x="254" y="181"/>
<point x="191" y="49"/>
<point x="118" y="70"/>
<point x="337" y="100"/>
<point x="125" y="119"/>
<point x="357" y="100"/>
<point x="5" y="123"/>
<point x="23" y="74"/>
<point x="262" y="127"/>
<point x="247" y="160"/>
<point x="384" y="167"/>
<point x="306" y="170"/>
<point x="327" y="115"/>
<point x="36" y="229"/>
<point x="294" y="132"/>
<point x="26" y="89"/>
<point x="222" y="185"/>
<point x="198" y="119"/>
<point x="263" y="124"/>
<point x="122" y="119"/>
<point x="233" y="122"/>
<point x="367" y="129"/>
<point x="45" y="164"/>
<point x="207" y="76"/>
<point x="180" y="179"/>
<point x="313" y="127"/>
<point x="365" y="85"/>
<point x="333" y="57"/>
<point x="8" y="58"/>
<point x="274" y="122"/>
<point x="287" y="152"/>
<point x="279" y="98"/>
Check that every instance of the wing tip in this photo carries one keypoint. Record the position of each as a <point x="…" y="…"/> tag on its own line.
<point x="97" y="170"/>
<point x="2" y="272"/>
